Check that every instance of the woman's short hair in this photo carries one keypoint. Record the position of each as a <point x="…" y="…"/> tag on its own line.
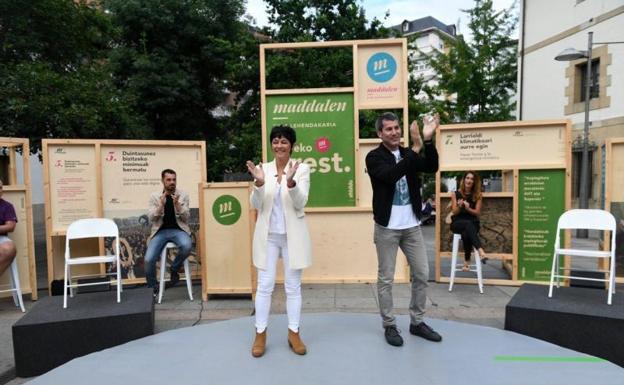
<point x="284" y="131"/>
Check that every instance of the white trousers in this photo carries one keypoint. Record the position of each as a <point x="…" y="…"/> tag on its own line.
<point x="277" y="246"/>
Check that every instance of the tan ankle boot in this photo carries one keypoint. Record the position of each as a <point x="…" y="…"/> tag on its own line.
<point x="295" y="343"/>
<point x="258" y="347"/>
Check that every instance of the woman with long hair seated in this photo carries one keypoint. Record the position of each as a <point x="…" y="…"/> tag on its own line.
<point x="466" y="208"/>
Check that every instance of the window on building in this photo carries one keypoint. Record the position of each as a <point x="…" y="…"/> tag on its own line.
<point x="577" y="156"/>
<point x="405" y="26"/>
<point x="594" y="84"/>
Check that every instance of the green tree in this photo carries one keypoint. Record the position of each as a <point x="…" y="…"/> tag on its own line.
<point x="173" y="55"/>
<point x="479" y="76"/>
<point x="321" y="20"/>
<point x="40" y="102"/>
<point x="54" y="80"/>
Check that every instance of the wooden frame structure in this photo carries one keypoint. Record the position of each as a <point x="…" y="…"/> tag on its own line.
<point x="614" y="188"/>
<point x="93" y="160"/>
<point x="342" y="241"/>
<point x="226" y="248"/>
<point x="511" y="170"/>
<point x="23" y="201"/>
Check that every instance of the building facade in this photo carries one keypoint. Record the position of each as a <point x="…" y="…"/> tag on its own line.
<point x="550" y="89"/>
<point x="427" y="36"/>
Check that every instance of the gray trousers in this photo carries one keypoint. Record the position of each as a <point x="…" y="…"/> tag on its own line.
<point x="412" y="244"/>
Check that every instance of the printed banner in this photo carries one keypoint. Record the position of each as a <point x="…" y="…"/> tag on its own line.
<point x="325" y="141"/>
<point x="130" y="174"/>
<point x="380" y="76"/>
<point x="541" y="201"/>
<point x="73" y="195"/>
<point x="493" y="148"/>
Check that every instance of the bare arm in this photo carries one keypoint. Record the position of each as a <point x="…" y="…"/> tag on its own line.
<point x="7" y="227"/>
<point x="476" y="211"/>
<point x="455" y="205"/>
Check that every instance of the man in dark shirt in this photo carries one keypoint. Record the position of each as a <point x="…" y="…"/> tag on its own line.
<point x="393" y="171"/>
<point x="169" y="214"/>
<point x="8" y="219"/>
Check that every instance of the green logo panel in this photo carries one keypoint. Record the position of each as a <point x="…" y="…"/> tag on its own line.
<point x="226" y="210"/>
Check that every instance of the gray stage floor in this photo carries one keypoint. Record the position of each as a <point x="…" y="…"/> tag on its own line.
<point x="343" y="348"/>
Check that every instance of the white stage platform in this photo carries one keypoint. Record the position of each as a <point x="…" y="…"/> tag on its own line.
<point x="343" y="348"/>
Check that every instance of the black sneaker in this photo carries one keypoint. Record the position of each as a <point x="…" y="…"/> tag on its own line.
<point x="393" y="337"/>
<point x="174" y="278"/>
<point x="155" y="291"/>
<point x="425" y="331"/>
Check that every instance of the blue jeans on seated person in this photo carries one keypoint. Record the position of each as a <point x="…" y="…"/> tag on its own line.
<point x="155" y="248"/>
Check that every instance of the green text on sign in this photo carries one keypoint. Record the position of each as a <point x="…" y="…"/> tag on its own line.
<point x="541" y="202"/>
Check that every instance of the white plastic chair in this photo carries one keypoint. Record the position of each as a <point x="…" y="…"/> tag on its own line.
<point x="458" y="266"/>
<point x="90" y="228"/>
<point x="163" y="267"/>
<point x="591" y="220"/>
<point x="16" y="288"/>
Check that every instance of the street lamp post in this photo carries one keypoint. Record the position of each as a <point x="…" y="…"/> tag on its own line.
<point x="570" y="54"/>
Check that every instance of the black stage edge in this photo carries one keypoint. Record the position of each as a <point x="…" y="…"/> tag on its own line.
<point x="575" y="318"/>
<point x="49" y="336"/>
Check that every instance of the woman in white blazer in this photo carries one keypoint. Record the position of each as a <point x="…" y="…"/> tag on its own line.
<point x="280" y="194"/>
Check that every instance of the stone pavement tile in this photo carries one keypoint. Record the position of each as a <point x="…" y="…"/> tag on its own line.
<point x="165" y="325"/>
<point x="452" y="300"/>
<point x="320" y="286"/>
<point x="496" y="323"/>
<point x="328" y="304"/>
<point x="278" y="308"/>
<point x="19" y="381"/>
<point x="439" y="313"/>
<point x="178" y="304"/>
<point x="318" y="291"/>
<point x="177" y="315"/>
<point x="9" y="314"/>
<point x="356" y="291"/>
<point x="356" y="303"/>
<point x="487" y="299"/>
<point x="509" y="290"/>
<point x="359" y="310"/>
<point x="239" y="303"/>
<point x="465" y="313"/>
<point x="208" y="321"/>
<point x="223" y="314"/>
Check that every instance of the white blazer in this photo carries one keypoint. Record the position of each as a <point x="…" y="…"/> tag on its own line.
<point x="293" y="202"/>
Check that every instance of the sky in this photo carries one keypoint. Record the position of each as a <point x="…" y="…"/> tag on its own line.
<point x="447" y="11"/>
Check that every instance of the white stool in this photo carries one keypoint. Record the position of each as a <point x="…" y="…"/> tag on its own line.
<point x="163" y="267"/>
<point x="458" y="266"/>
<point x="16" y="288"/>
